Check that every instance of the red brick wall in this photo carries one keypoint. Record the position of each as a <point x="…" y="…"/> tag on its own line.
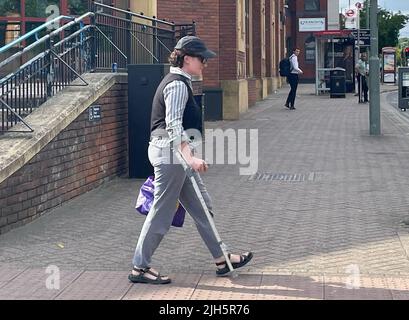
<point x="300" y="37"/>
<point x="206" y="14"/>
<point x="217" y="26"/>
<point x="228" y="39"/>
<point x="80" y="158"/>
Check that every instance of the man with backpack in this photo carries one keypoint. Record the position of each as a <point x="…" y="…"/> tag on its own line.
<point x="292" y="78"/>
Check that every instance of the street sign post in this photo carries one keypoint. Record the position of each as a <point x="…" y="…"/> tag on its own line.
<point x="359" y="5"/>
<point x="351" y="18"/>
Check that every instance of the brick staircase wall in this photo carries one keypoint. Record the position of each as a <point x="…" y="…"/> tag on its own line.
<point x="80" y="158"/>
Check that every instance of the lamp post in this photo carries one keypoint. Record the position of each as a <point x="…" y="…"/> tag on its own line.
<point x="374" y="90"/>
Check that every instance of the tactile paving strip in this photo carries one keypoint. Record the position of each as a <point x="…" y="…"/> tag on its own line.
<point x="32" y="285"/>
<point x="97" y="285"/>
<point x="243" y="287"/>
<point x="291" y="287"/>
<point x="399" y="287"/>
<point x="7" y="273"/>
<point x="181" y="288"/>
<point x="364" y="288"/>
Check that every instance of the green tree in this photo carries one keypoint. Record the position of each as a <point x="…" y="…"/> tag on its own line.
<point x="77" y="7"/>
<point x="9" y="6"/>
<point x="403" y="44"/>
<point x="389" y="25"/>
<point x="37" y="8"/>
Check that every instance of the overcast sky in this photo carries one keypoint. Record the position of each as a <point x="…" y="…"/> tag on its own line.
<point x="391" y="5"/>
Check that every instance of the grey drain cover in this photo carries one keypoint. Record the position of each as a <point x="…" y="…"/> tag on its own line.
<point x="288" y="177"/>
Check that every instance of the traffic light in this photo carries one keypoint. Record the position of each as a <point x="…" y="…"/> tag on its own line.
<point x="407" y="52"/>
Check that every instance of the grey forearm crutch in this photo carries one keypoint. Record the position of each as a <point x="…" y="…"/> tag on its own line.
<point x="190" y="174"/>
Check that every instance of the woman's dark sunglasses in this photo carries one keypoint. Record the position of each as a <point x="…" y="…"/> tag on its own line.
<point x="202" y="59"/>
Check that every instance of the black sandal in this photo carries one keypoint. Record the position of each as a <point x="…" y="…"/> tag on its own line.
<point x="244" y="259"/>
<point x="140" y="278"/>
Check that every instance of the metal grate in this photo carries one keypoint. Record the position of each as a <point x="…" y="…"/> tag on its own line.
<point x="286" y="177"/>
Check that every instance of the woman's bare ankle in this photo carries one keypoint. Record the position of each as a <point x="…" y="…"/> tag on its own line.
<point x="219" y="259"/>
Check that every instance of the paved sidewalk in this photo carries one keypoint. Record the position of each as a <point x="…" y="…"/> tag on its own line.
<point x="323" y="214"/>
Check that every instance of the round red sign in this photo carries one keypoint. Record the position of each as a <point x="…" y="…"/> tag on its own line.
<point x="350" y="13"/>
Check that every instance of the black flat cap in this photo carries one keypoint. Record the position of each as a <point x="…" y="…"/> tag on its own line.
<point x="194" y="46"/>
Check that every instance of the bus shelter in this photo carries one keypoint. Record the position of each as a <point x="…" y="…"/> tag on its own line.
<point x="334" y="49"/>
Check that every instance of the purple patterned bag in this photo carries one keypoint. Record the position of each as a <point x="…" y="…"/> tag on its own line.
<point x="145" y="200"/>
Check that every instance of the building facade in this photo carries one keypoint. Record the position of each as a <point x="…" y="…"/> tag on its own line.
<point x="249" y="38"/>
<point x="247" y="35"/>
<point x="304" y="17"/>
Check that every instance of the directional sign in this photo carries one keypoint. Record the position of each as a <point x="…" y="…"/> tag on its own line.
<point x="351" y="18"/>
<point x="364" y="37"/>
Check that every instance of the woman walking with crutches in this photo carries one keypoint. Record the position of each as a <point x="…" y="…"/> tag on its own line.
<point x="174" y="110"/>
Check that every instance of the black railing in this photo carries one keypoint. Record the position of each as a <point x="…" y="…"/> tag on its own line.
<point x="96" y="41"/>
<point x="47" y="66"/>
<point x="126" y="37"/>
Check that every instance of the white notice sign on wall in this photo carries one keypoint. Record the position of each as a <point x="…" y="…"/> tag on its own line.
<point x="311" y="24"/>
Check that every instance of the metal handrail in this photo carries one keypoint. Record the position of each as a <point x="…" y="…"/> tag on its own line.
<point x="43" y="39"/>
<point x="110" y="41"/>
<point x="100" y="43"/>
<point x="127" y="20"/>
<point x="143" y="46"/>
<point x="42" y="54"/>
<point x="33" y="32"/>
<point x="38" y="79"/>
<point x="133" y="14"/>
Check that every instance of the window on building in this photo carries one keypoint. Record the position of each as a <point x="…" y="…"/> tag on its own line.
<point x="9" y="31"/>
<point x="290" y="46"/>
<point x="312" y="5"/>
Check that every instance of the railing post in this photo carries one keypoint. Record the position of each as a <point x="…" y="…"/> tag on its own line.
<point x="93" y="47"/>
<point x="93" y="43"/>
<point x="49" y="71"/>
<point x="155" y="39"/>
<point x="129" y="37"/>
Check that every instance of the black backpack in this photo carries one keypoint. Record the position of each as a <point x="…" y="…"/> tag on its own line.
<point x="285" y="67"/>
